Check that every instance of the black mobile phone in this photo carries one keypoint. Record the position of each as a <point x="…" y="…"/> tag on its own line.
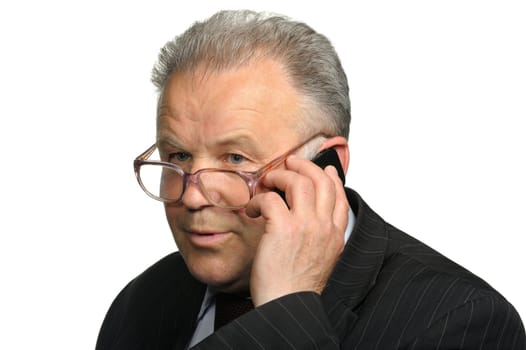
<point x="328" y="157"/>
<point x="323" y="159"/>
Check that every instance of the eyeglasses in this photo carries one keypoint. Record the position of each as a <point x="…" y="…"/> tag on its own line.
<point x="229" y="189"/>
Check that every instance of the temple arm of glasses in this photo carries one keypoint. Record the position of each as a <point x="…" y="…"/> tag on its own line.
<point x="146" y="154"/>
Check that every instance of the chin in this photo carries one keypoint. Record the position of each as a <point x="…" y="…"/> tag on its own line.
<point x="219" y="276"/>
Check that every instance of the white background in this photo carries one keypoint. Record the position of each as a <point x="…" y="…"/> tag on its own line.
<point x="437" y="142"/>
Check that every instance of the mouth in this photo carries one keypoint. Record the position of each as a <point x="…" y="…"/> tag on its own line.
<point x="207" y="239"/>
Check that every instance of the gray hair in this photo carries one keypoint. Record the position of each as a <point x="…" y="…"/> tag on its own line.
<point x="231" y="39"/>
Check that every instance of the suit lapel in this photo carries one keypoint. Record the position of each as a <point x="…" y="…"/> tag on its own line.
<point x="189" y="304"/>
<point x="181" y="305"/>
<point x="356" y="271"/>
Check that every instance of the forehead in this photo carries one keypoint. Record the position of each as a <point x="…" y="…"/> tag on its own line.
<point x="256" y="100"/>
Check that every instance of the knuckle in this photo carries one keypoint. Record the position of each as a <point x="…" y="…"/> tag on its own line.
<point x="304" y="185"/>
<point x="326" y="228"/>
<point x="328" y="184"/>
<point x="303" y="181"/>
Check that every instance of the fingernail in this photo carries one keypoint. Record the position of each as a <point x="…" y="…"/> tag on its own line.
<point x="332" y="169"/>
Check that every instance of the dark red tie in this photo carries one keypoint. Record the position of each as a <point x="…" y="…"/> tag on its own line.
<point x="230" y="307"/>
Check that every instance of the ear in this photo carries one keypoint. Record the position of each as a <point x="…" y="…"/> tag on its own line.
<point x="341" y="146"/>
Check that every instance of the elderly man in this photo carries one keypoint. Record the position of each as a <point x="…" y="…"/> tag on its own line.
<point x="274" y="252"/>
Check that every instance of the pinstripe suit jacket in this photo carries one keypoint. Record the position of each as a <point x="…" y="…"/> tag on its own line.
<point x="388" y="291"/>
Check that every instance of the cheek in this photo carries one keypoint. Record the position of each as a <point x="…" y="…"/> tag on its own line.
<point x="170" y="212"/>
<point x="171" y="216"/>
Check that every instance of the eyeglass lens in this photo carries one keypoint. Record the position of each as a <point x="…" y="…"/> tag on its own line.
<point x="221" y="188"/>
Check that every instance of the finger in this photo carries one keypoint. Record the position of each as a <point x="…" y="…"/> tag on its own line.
<point x="341" y="206"/>
<point x="268" y="205"/>
<point x="300" y="192"/>
<point x="324" y="185"/>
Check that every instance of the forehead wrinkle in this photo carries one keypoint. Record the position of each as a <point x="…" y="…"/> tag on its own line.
<point x="247" y="109"/>
<point x="166" y="132"/>
<point x="185" y="84"/>
<point x="168" y="138"/>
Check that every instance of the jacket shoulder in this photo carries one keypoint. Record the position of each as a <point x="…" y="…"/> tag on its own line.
<point x="144" y="305"/>
<point x="403" y="245"/>
<point x="420" y="299"/>
<point x="430" y="297"/>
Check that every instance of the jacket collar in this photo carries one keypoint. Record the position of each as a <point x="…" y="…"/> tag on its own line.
<point x="357" y="269"/>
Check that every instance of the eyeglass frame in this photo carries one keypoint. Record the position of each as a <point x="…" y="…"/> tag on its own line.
<point x="251" y="178"/>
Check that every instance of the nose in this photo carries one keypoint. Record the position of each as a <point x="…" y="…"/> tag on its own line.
<point x="193" y="198"/>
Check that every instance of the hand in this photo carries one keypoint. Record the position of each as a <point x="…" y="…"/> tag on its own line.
<point x="302" y="242"/>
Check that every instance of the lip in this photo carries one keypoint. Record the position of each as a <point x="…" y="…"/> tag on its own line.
<point x="207" y="239"/>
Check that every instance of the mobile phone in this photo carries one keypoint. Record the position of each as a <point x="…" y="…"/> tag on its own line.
<point x="328" y="157"/>
<point x="323" y="159"/>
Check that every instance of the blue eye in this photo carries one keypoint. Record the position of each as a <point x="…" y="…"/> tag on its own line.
<point x="179" y="156"/>
<point x="235" y="158"/>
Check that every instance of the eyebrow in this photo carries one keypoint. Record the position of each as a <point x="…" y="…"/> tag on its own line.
<point x="244" y="141"/>
<point x="165" y="134"/>
<point x="168" y="140"/>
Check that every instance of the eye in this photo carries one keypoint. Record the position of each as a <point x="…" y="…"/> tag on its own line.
<point x="235" y="158"/>
<point x="179" y="157"/>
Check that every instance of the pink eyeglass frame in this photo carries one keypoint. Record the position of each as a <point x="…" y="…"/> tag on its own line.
<point x="251" y="178"/>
